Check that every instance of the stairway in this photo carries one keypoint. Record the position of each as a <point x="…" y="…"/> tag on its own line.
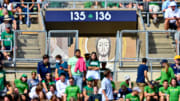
<point x="30" y="45"/>
<point x="159" y="45"/>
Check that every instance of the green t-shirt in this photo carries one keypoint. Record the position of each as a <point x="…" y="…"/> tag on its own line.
<point x="48" y="83"/>
<point x="7" y="36"/>
<point x="21" y="85"/>
<point x="127" y="85"/>
<point x="173" y="93"/>
<point x="163" y="90"/>
<point x="72" y="62"/>
<point x="2" y="79"/>
<point x="72" y="91"/>
<point x="147" y="89"/>
<point x="89" y="90"/>
<point x="93" y="63"/>
<point x="132" y="98"/>
<point x="166" y="75"/>
<point x="113" y="85"/>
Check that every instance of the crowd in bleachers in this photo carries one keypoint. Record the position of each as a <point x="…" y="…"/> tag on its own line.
<point x="87" y="79"/>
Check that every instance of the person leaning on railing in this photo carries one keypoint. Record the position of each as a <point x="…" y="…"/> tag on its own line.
<point x="8" y="40"/>
<point x="172" y="17"/>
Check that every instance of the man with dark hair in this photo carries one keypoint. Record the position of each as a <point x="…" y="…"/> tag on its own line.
<point x="107" y="90"/>
<point x="61" y="86"/>
<point x="141" y="75"/>
<point x="61" y="67"/>
<point x="150" y="92"/>
<point x="33" y="81"/>
<point x="43" y="68"/>
<point x="72" y="64"/>
<point x="163" y="91"/>
<point x="72" y="91"/>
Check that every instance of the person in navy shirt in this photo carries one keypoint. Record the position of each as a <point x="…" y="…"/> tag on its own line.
<point x="176" y="65"/>
<point x="141" y="75"/>
<point x="43" y="68"/>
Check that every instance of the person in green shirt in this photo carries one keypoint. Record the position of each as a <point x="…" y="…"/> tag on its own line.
<point x="127" y="82"/>
<point x="78" y="76"/>
<point x="72" y="91"/>
<point x="47" y="82"/>
<point x="7" y="40"/>
<point x="163" y="90"/>
<point x="150" y="92"/>
<point x="2" y="80"/>
<point x="93" y="65"/>
<point x="166" y="72"/>
<point x="88" y="90"/>
<point x="134" y="96"/>
<point x="21" y="84"/>
<point x="173" y="91"/>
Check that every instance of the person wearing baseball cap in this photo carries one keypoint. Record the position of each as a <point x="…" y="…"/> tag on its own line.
<point x="150" y="92"/>
<point x="167" y="72"/>
<point x="134" y="95"/>
<point x="88" y="90"/>
<point x="176" y="65"/>
<point x="172" y="17"/>
<point x="127" y="82"/>
<point x="21" y="84"/>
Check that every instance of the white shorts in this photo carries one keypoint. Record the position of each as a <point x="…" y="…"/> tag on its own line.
<point x="93" y="74"/>
<point x="154" y="8"/>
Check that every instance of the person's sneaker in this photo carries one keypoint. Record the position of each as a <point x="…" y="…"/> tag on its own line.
<point x="20" y="22"/>
<point x="154" y="21"/>
<point x="167" y="36"/>
<point x="9" y="59"/>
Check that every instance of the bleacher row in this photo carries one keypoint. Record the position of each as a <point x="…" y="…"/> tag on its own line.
<point x="53" y="86"/>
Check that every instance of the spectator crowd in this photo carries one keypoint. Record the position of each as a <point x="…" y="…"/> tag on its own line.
<point x="86" y="79"/>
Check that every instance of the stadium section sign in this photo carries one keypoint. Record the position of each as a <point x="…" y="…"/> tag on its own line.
<point x="91" y="16"/>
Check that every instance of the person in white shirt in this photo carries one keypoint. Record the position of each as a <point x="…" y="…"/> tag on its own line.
<point x="37" y="92"/>
<point x="172" y="17"/>
<point x="107" y="90"/>
<point x="61" y="86"/>
<point x="52" y="91"/>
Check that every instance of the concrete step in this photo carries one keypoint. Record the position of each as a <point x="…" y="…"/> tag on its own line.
<point x="29" y="47"/>
<point x="28" y="40"/>
<point x="29" y="36"/>
<point x="30" y="56"/>
<point x="29" y="51"/>
<point x="161" y="50"/>
<point x="169" y="55"/>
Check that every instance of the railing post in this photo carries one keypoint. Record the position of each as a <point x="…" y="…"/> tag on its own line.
<point x="151" y="70"/>
<point x="178" y="43"/>
<point x="49" y="43"/>
<point x="116" y="56"/>
<point x="28" y="14"/>
<point x="147" y="44"/>
<point x="77" y="40"/>
<point x="121" y="44"/>
<point x="14" y="52"/>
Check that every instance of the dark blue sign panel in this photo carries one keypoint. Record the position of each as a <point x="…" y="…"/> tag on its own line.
<point x="91" y="16"/>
